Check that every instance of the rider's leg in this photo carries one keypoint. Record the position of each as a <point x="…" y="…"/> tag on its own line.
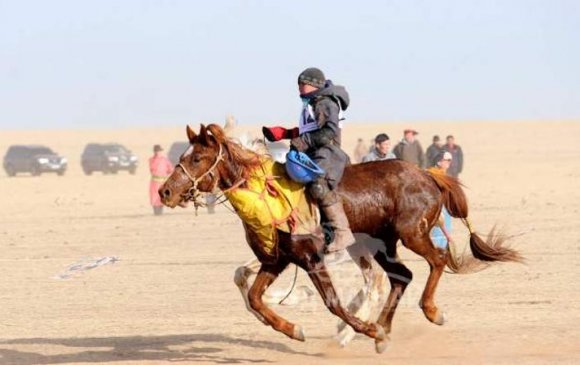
<point x="332" y="207"/>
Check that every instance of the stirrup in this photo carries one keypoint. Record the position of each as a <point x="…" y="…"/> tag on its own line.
<point x="328" y="232"/>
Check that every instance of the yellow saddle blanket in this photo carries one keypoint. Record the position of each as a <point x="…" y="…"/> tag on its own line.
<point x="269" y="201"/>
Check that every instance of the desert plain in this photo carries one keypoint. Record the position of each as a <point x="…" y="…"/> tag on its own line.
<point x="171" y="296"/>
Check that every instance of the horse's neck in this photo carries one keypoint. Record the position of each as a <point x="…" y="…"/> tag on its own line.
<point x="230" y="176"/>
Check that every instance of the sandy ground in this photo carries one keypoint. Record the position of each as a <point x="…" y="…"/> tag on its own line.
<point x="171" y="295"/>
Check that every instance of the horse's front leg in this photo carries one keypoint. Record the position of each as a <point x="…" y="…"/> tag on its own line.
<point x="241" y="277"/>
<point x="266" y="276"/>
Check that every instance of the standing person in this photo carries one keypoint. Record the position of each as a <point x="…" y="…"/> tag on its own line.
<point x="160" y="168"/>
<point x="433" y="151"/>
<point x="382" y="149"/>
<point x="360" y="151"/>
<point x="441" y="233"/>
<point x="457" y="153"/>
<point x="318" y="135"/>
<point x="409" y="149"/>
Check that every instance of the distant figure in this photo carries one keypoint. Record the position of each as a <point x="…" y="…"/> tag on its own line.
<point x="233" y="131"/>
<point x="433" y="151"/>
<point x="409" y="149"/>
<point x="230" y="125"/>
<point x="382" y="149"/>
<point x="360" y="151"/>
<point x="160" y="168"/>
<point x="457" y="153"/>
<point x="441" y="233"/>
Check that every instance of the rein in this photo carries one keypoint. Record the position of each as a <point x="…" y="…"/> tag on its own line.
<point x="193" y="193"/>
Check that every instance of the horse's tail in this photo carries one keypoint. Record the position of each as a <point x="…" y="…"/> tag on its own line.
<point x="453" y="196"/>
<point x="456" y="203"/>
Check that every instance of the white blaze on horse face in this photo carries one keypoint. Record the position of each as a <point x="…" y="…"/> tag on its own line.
<point x="189" y="151"/>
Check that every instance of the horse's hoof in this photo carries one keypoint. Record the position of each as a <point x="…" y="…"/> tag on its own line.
<point x="381" y="346"/>
<point x="298" y="333"/>
<point x="439" y="318"/>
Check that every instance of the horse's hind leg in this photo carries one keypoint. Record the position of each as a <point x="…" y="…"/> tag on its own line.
<point x="366" y="303"/>
<point x="265" y="277"/>
<point x="437" y="260"/>
<point x="399" y="277"/>
<point x="321" y="280"/>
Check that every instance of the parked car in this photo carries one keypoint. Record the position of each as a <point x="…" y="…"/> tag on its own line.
<point x="34" y="159"/>
<point x="108" y="158"/>
<point x="176" y="150"/>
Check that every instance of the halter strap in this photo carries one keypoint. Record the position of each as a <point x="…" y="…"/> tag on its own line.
<point x="196" y="180"/>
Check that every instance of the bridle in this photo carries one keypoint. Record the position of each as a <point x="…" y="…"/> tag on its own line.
<point x="193" y="193"/>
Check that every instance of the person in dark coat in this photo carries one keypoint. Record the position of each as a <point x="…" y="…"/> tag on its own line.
<point x="409" y="149"/>
<point x="434" y="151"/>
<point x="318" y="135"/>
<point x="457" y="154"/>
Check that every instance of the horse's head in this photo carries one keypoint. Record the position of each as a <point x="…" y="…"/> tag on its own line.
<point x="211" y="161"/>
<point x="198" y="169"/>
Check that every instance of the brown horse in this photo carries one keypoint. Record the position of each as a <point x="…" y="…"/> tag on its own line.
<point x="388" y="200"/>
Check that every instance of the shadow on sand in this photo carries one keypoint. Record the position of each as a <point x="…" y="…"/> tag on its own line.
<point x="195" y="347"/>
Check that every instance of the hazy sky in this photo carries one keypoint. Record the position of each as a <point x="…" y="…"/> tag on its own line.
<point x="130" y="63"/>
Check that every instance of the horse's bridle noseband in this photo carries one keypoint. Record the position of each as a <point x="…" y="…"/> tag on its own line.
<point x="193" y="193"/>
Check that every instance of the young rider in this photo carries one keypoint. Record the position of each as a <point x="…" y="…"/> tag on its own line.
<point x="318" y="135"/>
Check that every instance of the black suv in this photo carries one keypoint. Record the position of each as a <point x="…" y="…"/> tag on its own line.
<point x="176" y="150"/>
<point x="108" y="158"/>
<point x="34" y="159"/>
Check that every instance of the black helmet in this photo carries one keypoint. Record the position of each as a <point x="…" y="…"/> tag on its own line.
<point x="312" y="76"/>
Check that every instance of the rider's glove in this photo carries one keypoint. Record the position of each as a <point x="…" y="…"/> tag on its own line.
<point x="274" y="134"/>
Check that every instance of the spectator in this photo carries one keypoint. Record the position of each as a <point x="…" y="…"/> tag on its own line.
<point x="160" y="168"/>
<point x="381" y="151"/>
<point x="409" y="149"/>
<point x="433" y="151"/>
<point x="457" y="154"/>
<point x="360" y="151"/>
<point x="441" y="233"/>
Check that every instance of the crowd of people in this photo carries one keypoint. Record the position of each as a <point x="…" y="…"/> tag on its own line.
<point x="409" y="149"/>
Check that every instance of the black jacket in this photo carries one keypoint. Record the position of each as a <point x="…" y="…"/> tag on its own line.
<point x="327" y="104"/>
<point x="432" y="154"/>
<point x="323" y="144"/>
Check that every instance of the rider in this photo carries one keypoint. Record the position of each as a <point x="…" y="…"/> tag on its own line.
<point x="318" y="135"/>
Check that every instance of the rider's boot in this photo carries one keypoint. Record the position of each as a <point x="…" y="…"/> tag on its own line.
<point x="334" y="212"/>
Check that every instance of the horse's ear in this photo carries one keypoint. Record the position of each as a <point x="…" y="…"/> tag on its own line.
<point x="204" y="136"/>
<point x="217" y="132"/>
<point x="190" y="134"/>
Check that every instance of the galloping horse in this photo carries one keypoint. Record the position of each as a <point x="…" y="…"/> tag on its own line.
<point x="388" y="200"/>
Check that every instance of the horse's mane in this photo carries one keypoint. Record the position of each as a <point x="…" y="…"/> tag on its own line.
<point x="243" y="159"/>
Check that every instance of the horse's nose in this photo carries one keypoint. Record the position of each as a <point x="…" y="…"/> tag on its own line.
<point x="165" y="193"/>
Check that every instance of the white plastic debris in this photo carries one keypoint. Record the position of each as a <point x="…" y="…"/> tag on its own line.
<point x="84" y="265"/>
